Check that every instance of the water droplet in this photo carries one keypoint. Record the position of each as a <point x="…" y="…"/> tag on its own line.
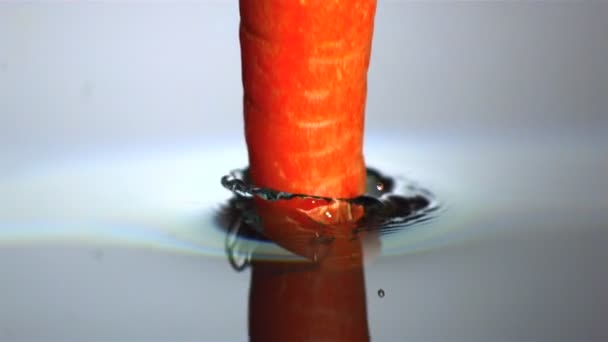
<point x="381" y="293"/>
<point x="238" y="259"/>
<point x="328" y="214"/>
<point x="380" y="186"/>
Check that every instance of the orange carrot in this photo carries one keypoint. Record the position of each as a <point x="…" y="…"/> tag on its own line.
<point x="304" y="69"/>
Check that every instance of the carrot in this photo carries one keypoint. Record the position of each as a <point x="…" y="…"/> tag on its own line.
<point x="304" y="72"/>
<point x="304" y="69"/>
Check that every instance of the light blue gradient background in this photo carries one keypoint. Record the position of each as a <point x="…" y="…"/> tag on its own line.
<point x="117" y="115"/>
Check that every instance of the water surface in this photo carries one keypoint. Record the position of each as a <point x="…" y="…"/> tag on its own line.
<point x="126" y="247"/>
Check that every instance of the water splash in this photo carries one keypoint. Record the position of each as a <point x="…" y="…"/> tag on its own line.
<point x="389" y="205"/>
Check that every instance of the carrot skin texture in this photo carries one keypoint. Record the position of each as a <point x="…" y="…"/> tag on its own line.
<point x="304" y="71"/>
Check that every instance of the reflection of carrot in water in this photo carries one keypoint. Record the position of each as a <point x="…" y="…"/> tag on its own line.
<point x="306" y="302"/>
<point x="304" y="68"/>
